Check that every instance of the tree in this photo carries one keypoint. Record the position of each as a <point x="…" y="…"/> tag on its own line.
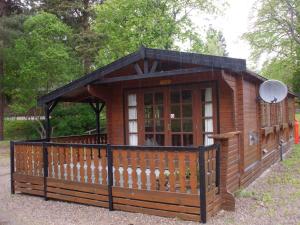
<point x="275" y="33"/>
<point x="78" y="14"/>
<point x="9" y="21"/>
<point x="128" y="24"/>
<point x="213" y="44"/>
<point x="39" y="61"/>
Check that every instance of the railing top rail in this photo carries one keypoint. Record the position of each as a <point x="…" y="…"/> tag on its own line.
<point x="122" y="147"/>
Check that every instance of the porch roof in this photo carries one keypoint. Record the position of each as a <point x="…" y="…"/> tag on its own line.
<point x="196" y="63"/>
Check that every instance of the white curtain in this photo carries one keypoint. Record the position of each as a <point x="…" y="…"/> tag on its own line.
<point x="208" y="110"/>
<point x="208" y="94"/>
<point x="132" y="120"/>
<point x="133" y="139"/>
<point x="132" y="100"/>
<point x="132" y="113"/>
<point x="132" y="127"/>
<point x="209" y="125"/>
<point x="207" y="140"/>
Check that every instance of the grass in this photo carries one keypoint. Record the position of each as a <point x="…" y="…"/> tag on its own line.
<point x="298" y="116"/>
<point x="4" y="144"/>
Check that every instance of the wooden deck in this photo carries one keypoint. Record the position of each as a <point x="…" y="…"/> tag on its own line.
<point x="165" y="181"/>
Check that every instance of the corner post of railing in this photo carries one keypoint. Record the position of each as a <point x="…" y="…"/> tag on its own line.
<point x="202" y="185"/>
<point x="12" y="167"/>
<point x="45" y="161"/>
<point x="109" y="175"/>
<point x="218" y="166"/>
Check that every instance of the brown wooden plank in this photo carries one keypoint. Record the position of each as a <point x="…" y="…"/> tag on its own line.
<point x="157" y="196"/>
<point x="172" y="171"/>
<point x="104" y="165"/>
<point x="96" y="165"/>
<point x="81" y="162"/>
<point x="27" y="178"/>
<point x="50" y="161"/>
<point x="143" y="169"/>
<point x="182" y="175"/>
<point x="116" y="164"/>
<point x="77" y="200"/>
<point x="157" y="212"/>
<point x="125" y="167"/>
<point x="75" y="161"/>
<point x="157" y="205"/>
<point x="76" y="186"/>
<point x="162" y="177"/>
<point x="193" y="169"/>
<point x="30" y="167"/>
<point x="29" y="191"/>
<point x="62" y="162"/>
<point x="152" y="168"/>
<point x="89" y="163"/>
<point x="35" y="158"/>
<point x="29" y="186"/>
<point x="68" y="162"/>
<point x="80" y="194"/>
<point x="133" y="156"/>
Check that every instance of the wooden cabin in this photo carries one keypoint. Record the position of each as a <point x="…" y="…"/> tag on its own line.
<point x="161" y="100"/>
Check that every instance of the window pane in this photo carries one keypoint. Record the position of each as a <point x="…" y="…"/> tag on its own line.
<point x="160" y="139"/>
<point x="149" y="140"/>
<point x="208" y="94"/>
<point x="187" y="111"/>
<point x="187" y="139"/>
<point x="187" y="96"/>
<point x="176" y="140"/>
<point x="159" y="98"/>
<point x="175" y="111"/>
<point x="187" y="125"/>
<point x="132" y="126"/>
<point x="133" y="139"/>
<point x="208" y="125"/>
<point x="207" y="140"/>
<point x="148" y="125"/>
<point x="149" y="112"/>
<point x="175" y="126"/>
<point x="132" y="114"/>
<point x="132" y="100"/>
<point x="208" y="110"/>
<point x="159" y="112"/>
<point x="159" y="125"/>
<point x="148" y="100"/>
<point x="175" y="97"/>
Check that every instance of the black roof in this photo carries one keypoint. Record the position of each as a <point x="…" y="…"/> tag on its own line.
<point x="215" y="62"/>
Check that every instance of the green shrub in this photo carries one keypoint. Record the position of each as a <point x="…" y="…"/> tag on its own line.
<point x="20" y="130"/>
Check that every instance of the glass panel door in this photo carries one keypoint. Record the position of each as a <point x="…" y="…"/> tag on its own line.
<point x="181" y="117"/>
<point x="154" y="118"/>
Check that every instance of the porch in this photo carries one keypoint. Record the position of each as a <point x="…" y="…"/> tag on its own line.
<point x="179" y="182"/>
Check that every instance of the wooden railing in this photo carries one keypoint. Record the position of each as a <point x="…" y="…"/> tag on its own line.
<point x="165" y="181"/>
<point x="82" y="139"/>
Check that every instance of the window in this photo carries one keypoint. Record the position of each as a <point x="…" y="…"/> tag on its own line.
<point x="181" y="116"/>
<point x="154" y="118"/>
<point x="207" y="116"/>
<point x="132" y="120"/>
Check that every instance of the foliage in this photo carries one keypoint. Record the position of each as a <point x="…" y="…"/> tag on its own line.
<point x="275" y="33"/>
<point x="39" y="61"/>
<point x="74" y="119"/>
<point x="20" y="130"/>
<point x="128" y="24"/>
<point x="214" y="43"/>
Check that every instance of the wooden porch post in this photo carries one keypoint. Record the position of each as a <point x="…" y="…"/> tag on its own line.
<point x="97" y="109"/>
<point x="48" y="109"/>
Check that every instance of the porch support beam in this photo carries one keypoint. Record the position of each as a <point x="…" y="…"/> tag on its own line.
<point x="138" y="69"/>
<point x="146" y="66"/>
<point x="98" y="109"/>
<point x="154" y="66"/>
<point x="156" y="75"/>
<point x="48" y="110"/>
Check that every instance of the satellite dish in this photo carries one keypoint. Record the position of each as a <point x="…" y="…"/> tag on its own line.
<point x="273" y="91"/>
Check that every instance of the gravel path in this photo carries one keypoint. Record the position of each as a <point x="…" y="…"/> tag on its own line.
<point x="272" y="199"/>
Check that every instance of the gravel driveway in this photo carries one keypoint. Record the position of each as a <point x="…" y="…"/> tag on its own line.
<point x="272" y="199"/>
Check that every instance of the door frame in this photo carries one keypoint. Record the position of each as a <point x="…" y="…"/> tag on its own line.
<point x="197" y="107"/>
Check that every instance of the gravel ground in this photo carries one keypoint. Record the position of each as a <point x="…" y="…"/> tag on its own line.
<point x="273" y="199"/>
